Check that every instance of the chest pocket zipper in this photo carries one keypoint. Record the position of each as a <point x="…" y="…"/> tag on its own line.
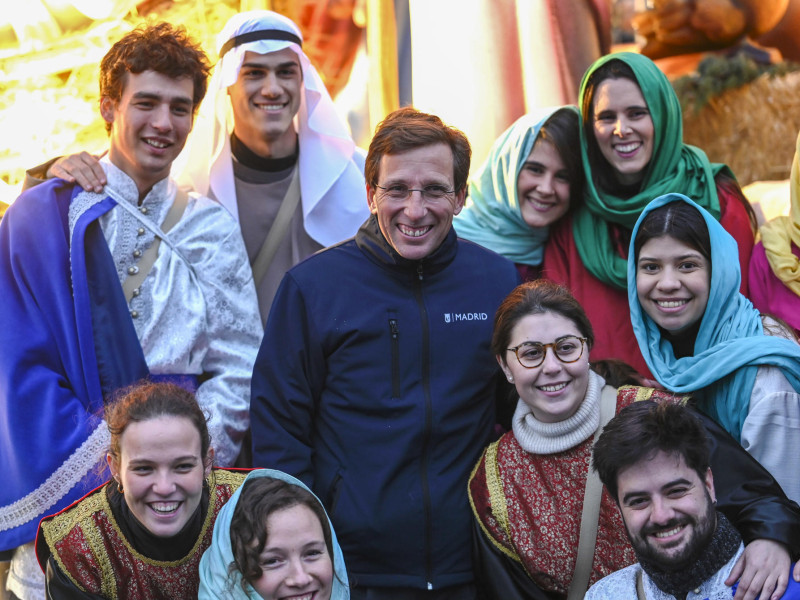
<point x="394" y="331"/>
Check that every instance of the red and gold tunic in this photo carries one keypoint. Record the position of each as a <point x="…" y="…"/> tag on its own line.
<point x="91" y="550"/>
<point x="529" y="506"/>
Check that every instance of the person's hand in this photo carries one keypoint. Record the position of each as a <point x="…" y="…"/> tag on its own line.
<point x="762" y="571"/>
<point x="82" y="168"/>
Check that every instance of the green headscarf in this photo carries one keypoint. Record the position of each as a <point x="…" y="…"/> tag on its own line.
<point x="492" y="216"/>
<point x="674" y="167"/>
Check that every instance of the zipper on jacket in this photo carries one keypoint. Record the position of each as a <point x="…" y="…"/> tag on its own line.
<point x="394" y="330"/>
<point x="426" y="435"/>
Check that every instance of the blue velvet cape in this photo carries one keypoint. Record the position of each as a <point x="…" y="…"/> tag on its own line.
<point x="66" y="343"/>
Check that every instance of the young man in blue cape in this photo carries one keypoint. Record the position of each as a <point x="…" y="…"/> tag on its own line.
<point x="103" y="289"/>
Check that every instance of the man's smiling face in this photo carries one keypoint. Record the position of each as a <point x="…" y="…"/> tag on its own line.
<point x="668" y="509"/>
<point x="149" y="125"/>
<point x="416" y="226"/>
<point x="265" y="99"/>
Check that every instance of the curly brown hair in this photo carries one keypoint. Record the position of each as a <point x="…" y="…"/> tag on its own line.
<point x="640" y="431"/>
<point x="260" y="498"/>
<point x="159" y="47"/>
<point x="145" y="401"/>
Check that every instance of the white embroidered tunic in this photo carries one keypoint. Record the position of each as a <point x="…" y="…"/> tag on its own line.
<point x="196" y="311"/>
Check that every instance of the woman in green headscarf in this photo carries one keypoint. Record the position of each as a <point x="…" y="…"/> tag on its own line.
<point x="632" y="151"/>
<point x="531" y="178"/>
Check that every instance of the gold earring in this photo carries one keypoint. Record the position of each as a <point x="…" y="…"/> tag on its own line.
<point x="119" y="486"/>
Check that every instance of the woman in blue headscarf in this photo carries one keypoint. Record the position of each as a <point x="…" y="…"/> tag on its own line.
<point x="273" y="539"/>
<point x="531" y="178"/>
<point x="699" y="334"/>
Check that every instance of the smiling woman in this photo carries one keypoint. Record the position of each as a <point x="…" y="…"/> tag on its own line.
<point x="146" y="529"/>
<point x="531" y="492"/>
<point x="530" y="180"/>
<point x="273" y="540"/>
<point x="632" y="150"/>
<point x="700" y="335"/>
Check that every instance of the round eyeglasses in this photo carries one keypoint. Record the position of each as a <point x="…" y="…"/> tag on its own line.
<point x="567" y="349"/>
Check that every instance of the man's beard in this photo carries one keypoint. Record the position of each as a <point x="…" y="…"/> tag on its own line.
<point x="702" y="532"/>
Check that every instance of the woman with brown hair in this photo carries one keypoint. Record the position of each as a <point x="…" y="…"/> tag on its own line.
<point x="141" y="535"/>
<point x="533" y="497"/>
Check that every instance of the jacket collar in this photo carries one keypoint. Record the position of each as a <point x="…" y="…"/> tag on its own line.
<point x="375" y="246"/>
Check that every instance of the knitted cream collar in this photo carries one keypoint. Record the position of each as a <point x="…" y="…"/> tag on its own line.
<point x="549" y="438"/>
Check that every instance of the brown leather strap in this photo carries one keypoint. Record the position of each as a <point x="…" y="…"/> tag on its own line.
<point x="279" y="229"/>
<point x="591" y="507"/>
<point x="148" y="258"/>
<point x="640" y="586"/>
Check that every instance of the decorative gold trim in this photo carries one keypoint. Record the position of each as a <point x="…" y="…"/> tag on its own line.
<point x="646" y="393"/>
<point x="499" y="503"/>
<point x="220" y="477"/>
<point x="81" y="516"/>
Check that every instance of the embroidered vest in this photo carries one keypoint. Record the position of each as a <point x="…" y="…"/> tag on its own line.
<point x="529" y="506"/>
<point x="92" y="552"/>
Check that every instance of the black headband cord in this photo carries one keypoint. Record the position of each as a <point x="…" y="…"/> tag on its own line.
<point x="255" y="36"/>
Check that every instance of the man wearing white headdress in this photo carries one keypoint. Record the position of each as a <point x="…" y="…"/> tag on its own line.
<point x="284" y="125"/>
<point x="267" y="136"/>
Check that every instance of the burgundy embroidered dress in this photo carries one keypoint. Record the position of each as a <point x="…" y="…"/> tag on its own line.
<point x="528" y="505"/>
<point x="91" y="551"/>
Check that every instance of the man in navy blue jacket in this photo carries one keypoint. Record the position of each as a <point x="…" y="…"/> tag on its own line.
<point x="375" y="383"/>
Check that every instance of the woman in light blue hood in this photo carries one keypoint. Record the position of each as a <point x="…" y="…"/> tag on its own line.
<point x="531" y="178"/>
<point x="273" y="539"/>
<point x="700" y="335"/>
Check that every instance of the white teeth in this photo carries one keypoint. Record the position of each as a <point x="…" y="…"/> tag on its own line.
<point x="414" y="232"/>
<point x="271" y="107"/>
<point x="539" y="205"/>
<point x="164" y="507"/>
<point x="663" y="534"/>
<point x="671" y="303"/>
<point x="156" y="144"/>
<point x="552" y="388"/>
<point x="627" y="147"/>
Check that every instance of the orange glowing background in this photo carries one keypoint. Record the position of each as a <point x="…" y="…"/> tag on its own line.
<point x="478" y="64"/>
<point x="49" y="56"/>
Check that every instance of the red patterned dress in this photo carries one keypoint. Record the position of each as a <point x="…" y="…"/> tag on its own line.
<point x="90" y="549"/>
<point x="528" y="509"/>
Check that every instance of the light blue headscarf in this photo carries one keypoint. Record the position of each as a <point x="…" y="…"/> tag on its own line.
<point x="492" y="216"/>
<point x="215" y="581"/>
<point x="730" y="343"/>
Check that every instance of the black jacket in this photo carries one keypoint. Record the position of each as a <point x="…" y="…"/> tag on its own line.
<point x="746" y="493"/>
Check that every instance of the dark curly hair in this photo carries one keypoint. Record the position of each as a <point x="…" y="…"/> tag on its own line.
<point x="260" y="498"/>
<point x="641" y="430"/>
<point x="159" y="47"/>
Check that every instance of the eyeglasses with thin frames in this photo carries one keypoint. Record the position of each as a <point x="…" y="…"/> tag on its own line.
<point x="430" y="193"/>
<point x="567" y="349"/>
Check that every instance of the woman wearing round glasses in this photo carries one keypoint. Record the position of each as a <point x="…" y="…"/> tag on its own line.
<point x="531" y="494"/>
